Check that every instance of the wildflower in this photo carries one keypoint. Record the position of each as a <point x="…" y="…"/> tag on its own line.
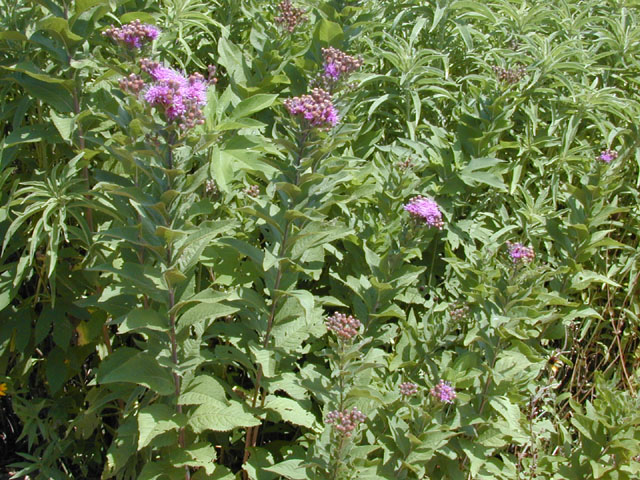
<point x="316" y="108"/>
<point x="132" y="84"/>
<point x="346" y="421"/>
<point x="443" y="392"/>
<point x="519" y="253"/>
<point x="133" y="35"/>
<point x="607" y="156"/>
<point x="426" y="209"/>
<point x="252" y="191"/>
<point x="346" y="327"/>
<point x="407" y="389"/>
<point x="512" y="75"/>
<point x="211" y="187"/>
<point x="405" y="164"/>
<point x="290" y="17"/>
<point x="3" y="389"/>
<point x="458" y="313"/>
<point x="338" y="64"/>
<point x="212" y="69"/>
<point x="181" y="98"/>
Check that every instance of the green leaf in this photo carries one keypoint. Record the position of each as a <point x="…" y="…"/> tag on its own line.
<point x="142" y="318"/>
<point x="132" y="366"/>
<point x="291" y="469"/>
<point x="328" y="33"/>
<point x="290" y="411"/>
<point x="64" y="125"/>
<point x="155" y="420"/>
<point x="32" y="133"/>
<point x="252" y="105"/>
<point x="221" y="418"/>
<point x="203" y="390"/>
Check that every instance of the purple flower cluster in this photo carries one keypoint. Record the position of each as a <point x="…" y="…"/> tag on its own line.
<point x="425" y="209"/>
<point x="346" y="421"/>
<point x="407" y="389"/>
<point x="316" y="108"/>
<point x="511" y="75"/>
<point x="346" y="327"/>
<point x="519" y="253"/>
<point x="444" y="392"/>
<point x="181" y="98"/>
<point x="290" y="17"/>
<point x="133" y="35"/>
<point x="607" y="156"/>
<point x="338" y="64"/>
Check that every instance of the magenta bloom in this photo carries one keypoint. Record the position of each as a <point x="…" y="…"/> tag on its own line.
<point x="134" y="34"/>
<point x="346" y="421"/>
<point x="339" y="64"/>
<point x="425" y="209"/>
<point x="519" y="253"/>
<point x="332" y="71"/>
<point x="316" y="108"/>
<point x="444" y="392"/>
<point x="607" y="156"/>
<point x="180" y="97"/>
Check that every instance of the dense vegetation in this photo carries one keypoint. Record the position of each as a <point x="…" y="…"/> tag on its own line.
<point x="320" y="240"/>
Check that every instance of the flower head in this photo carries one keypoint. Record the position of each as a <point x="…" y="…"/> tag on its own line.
<point x="346" y="421"/>
<point x="346" y="327"/>
<point x="407" y="389"/>
<point x="338" y="64"/>
<point x="607" y="156"/>
<point x="290" y="17"/>
<point x="3" y="389"/>
<point x="181" y="98"/>
<point x="443" y="392"/>
<point x="133" y="35"/>
<point x="519" y="253"/>
<point x="316" y="108"/>
<point x="426" y="209"/>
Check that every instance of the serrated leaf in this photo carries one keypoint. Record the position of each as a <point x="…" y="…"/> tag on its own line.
<point x="155" y="420"/>
<point x="221" y="418"/>
<point x="132" y="366"/>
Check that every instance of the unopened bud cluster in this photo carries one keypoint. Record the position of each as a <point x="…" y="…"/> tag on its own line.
<point x="252" y="191"/>
<point x="510" y="75"/>
<point x="607" y="156"/>
<point x="290" y="17"/>
<point x="210" y="187"/>
<point x="132" y="84"/>
<point x="425" y="209"/>
<point x="339" y="64"/>
<point x="133" y="35"/>
<point x="457" y="313"/>
<point x="346" y="421"/>
<point x="213" y="70"/>
<point x="404" y="164"/>
<point x="520" y="253"/>
<point x="345" y="326"/>
<point x="316" y="108"/>
<point x="443" y="392"/>
<point x="407" y="389"/>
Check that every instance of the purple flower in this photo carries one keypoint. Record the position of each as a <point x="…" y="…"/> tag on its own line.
<point x="425" y="209"/>
<point x="607" y="156"/>
<point x="337" y="63"/>
<point x="346" y="421"/>
<point x="519" y="253"/>
<point x="444" y="392"/>
<point x="316" y="108"/>
<point x="331" y="70"/>
<point x="407" y="389"/>
<point x="346" y="327"/>
<point x="134" y="34"/>
<point x="180" y="97"/>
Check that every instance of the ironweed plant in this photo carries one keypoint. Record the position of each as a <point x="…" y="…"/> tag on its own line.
<point x="319" y="240"/>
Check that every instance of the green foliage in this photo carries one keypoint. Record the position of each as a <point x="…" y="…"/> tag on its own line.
<point x="164" y="291"/>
